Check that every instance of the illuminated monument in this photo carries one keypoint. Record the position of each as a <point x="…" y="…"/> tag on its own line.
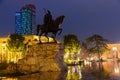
<point x="25" y="20"/>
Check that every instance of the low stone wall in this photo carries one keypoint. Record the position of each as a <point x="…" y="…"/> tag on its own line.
<point x="43" y="57"/>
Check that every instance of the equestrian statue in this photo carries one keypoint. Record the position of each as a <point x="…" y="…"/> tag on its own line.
<point x="50" y="26"/>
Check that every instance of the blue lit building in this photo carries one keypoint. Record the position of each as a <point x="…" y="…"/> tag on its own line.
<point x="25" y="20"/>
<point x="18" y="28"/>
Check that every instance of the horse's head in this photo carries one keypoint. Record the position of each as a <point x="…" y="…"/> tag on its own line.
<point x="59" y="20"/>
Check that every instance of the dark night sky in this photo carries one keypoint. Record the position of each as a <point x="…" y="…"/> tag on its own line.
<point x="82" y="17"/>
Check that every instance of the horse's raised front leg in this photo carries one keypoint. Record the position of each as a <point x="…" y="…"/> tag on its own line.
<point x="54" y="37"/>
<point x="60" y="31"/>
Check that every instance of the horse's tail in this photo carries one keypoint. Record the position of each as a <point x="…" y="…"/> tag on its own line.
<point x="38" y="29"/>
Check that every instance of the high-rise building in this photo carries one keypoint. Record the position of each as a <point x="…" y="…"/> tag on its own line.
<point x="25" y="20"/>
<point x="18" y="23"/>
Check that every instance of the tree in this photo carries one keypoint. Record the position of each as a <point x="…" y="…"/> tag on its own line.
<point x="16" y="44"/>
<point x="72" y="46"/>
<point x="96" y="44"/>
<point x="83" y="52"/>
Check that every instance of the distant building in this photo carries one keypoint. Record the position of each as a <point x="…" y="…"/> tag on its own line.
<point x="114" y="51"/>
<point x="18" y="28"/>
<point x="8" y="56"/>
<point x="25" y="20"/>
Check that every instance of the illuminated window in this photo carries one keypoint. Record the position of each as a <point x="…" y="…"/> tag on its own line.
<point x="114" y="48"/>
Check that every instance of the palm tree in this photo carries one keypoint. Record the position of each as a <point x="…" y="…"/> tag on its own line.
<point x="96" y="44"/>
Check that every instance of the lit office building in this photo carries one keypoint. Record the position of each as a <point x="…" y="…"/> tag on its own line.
<point x="18" y="28"/>
<point x="25" y="20"/>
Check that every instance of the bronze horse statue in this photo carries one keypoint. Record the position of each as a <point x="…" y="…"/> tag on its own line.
<point x="53" y="28"/>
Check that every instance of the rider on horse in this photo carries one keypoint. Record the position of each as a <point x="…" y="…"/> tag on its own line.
<point x="48" y="18"/>
<point x="50" y="25"/>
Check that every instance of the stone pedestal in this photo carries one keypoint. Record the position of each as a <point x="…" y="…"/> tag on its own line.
<point x="43" y="57"/>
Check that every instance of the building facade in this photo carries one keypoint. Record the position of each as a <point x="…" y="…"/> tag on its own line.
<point x="113" y="53"/>
<point x="25" y="20"/>
<point x="18" y="28"/>
<point x="7" y="56"/>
